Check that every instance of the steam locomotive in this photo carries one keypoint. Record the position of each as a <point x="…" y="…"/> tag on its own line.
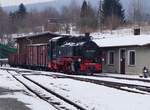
<point x="69" y="54"/>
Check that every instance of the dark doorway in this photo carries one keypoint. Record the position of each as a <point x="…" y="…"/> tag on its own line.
<point x="122" y="61"/>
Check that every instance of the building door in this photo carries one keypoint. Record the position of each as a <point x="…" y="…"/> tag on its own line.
<point x="122" y="61"/>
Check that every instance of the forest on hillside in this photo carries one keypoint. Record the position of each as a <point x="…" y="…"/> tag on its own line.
<point x="85" y="18"/>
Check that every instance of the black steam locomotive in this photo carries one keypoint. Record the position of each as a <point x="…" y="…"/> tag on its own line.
<point x="71" y="54"/>
<point x="74" y="54"/>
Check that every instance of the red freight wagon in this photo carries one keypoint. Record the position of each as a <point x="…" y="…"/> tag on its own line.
<point x="34" y="56"/>
<point x="29" y="56"/>
<point x="12" y="59"/>
<point x="42" y="56"/>
<point x="31" y="53"/>
<point x="37" y="56"/>
<point x="22" y="58"/>
<point x="17" y="59"/>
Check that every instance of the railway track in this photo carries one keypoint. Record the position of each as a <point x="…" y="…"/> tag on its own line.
<point x="117" y="85"/>
<point x="57" y="101"/>
<point x="140" y="89"/>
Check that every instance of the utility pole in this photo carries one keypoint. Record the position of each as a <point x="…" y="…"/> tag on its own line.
<point x="137" y="13"/>
<point x="112" y="17"/>
<point x="140" y="16"/>
<point x="100" y="16"/>
<point x="137" y="17"/>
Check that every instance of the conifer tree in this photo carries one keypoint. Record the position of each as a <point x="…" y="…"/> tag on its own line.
<point x="84" y="10"/>
<point x="87" y="17"/>
<point x="17" y="18"/>
<point x="21" y="11"/>
<point x="113" y="11"/>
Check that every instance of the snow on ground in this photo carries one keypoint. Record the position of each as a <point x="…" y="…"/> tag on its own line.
<point x="111" y="79"/>
<point x="95" y="97"/>
<point x="122" y="32"/>
<point x="91" y="96"/>
<point x="118" y="33"/>
<point x="120" y="75"/>
<point x="32" y="102"/>
<point x="6" y="81"/>
<point x="23" y="95"/>
<point x="97" y="78"/>
<point x="133" y="76"/>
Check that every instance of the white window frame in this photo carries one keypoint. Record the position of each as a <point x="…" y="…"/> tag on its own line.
<point x="108" y="54"/>
<point x="129" y="58"/>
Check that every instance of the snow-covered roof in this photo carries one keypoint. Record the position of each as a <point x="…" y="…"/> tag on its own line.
<point x="56" y="38"/>
<point x="33" y="35"/>
<point x="120" y="41"/>
<point x="41" y="44"/>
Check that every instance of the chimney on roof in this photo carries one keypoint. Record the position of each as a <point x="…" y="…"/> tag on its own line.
<point x="137" y="31"/>
<point x="87" y="34"/>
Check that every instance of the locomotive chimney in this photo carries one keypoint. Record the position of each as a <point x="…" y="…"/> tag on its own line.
<point x="87" y="34"/>
<point x="137" y="31"/>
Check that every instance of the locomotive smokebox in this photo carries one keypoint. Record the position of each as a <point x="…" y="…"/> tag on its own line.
<point x="87" y="34"/>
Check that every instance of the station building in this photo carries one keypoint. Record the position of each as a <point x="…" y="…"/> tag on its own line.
<point x="125" y="54"/>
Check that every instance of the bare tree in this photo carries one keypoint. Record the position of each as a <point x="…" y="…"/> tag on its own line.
<point x="47" y="14"/>
<point x="4" y="28"/>
<point x="32" y="20"/>
<point x="71" y="14"/>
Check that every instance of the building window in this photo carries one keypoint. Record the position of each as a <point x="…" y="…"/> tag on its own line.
<point x="131" y="57"/>
<point x="111" y="58"/>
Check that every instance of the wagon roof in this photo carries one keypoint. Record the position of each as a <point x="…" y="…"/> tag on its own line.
<point x="40" y="44"/>
<point x="35" y="35"/>
<point x="122" y="41"/>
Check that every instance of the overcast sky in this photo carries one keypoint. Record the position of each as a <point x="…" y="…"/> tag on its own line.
<point x="17" y="2"/>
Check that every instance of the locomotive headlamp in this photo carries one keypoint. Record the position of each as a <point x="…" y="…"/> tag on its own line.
<point x="103" y="59"/>
<point x="79" y="60"/>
